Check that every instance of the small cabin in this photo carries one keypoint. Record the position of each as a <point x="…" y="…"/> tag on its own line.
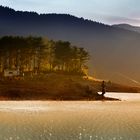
<point x="11" y="73"/>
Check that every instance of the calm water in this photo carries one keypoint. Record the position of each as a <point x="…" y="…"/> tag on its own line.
<point x="71" y="120"/>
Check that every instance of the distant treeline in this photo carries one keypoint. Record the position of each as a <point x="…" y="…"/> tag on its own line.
<point x="34" y="54"/>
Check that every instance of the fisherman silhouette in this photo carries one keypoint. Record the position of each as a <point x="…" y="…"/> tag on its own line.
<point x="103" y="88"/>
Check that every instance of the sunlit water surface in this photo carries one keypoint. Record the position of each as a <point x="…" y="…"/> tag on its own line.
<point x="82" y="120"/>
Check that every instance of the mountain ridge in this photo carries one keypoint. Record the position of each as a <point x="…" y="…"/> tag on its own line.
<point x="10" y="14"/>
<point x="128" y="27"/>
<point x="110" y="47"/>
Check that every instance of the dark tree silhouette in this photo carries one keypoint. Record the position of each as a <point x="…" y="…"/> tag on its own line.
<point x="33" y="54"/>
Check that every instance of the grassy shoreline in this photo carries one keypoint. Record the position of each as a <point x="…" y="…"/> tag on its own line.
<point x="56" y="87"/>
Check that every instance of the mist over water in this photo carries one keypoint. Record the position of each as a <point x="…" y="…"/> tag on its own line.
<point x="83" y="120"/>
<point x="125" y="96"/>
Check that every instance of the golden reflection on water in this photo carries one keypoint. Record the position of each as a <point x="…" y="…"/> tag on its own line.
<point x="70" y="120"/>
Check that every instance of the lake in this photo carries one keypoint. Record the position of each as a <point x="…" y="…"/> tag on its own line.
<point x="81" y="120"/>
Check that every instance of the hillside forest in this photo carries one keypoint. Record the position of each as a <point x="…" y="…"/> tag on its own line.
<point x="36" y="55"/>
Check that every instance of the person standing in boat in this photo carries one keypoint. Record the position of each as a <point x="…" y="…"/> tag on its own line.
<point x="103" y="88"/>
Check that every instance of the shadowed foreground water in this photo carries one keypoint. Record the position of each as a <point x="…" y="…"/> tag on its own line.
<point x="70" y="120"/>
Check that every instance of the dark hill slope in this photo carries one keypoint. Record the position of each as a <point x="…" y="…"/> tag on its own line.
<point x="115" y="52"/>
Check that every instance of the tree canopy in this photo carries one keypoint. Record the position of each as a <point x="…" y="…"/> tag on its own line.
<point x="33" y="54"/>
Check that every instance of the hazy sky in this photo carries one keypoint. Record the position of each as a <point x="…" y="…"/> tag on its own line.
<point x="106" y="11"/>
